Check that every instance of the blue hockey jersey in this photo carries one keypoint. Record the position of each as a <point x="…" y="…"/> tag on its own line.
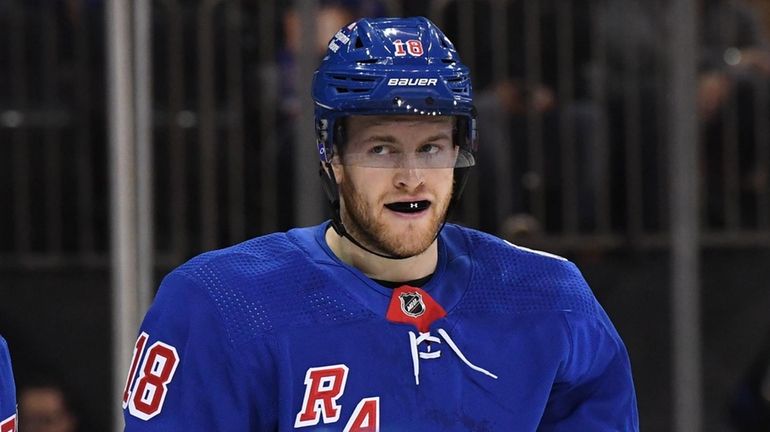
<point x="7" y="391"/>
<point x="277" y="333"/>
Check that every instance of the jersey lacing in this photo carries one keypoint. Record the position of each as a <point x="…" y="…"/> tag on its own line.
<point x="415" y="342"/>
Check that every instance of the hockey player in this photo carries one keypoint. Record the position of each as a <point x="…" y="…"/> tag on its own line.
<point x="387" y="317"/>
<point x="7" y="391"/>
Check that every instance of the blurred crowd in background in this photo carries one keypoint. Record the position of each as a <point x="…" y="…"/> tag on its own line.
<point x="573" y="100"/>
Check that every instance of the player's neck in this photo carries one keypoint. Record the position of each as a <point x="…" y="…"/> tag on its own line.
<point x="380" y="268"/>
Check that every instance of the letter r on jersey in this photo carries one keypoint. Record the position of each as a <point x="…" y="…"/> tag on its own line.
<point x="323" y="387"/>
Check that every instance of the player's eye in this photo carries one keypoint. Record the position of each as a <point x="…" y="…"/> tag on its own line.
<point x="381" y="150"/>
<point x="430" y="149"/>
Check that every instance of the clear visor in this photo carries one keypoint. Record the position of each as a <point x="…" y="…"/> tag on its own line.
<point x="428" y="156"/>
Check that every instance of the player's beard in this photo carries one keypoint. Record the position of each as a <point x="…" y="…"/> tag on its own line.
<point x="362" y="223"/>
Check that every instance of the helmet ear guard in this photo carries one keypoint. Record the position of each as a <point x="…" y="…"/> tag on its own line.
<point x="326" y="171"/>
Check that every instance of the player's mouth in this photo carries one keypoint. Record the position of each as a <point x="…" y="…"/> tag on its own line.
<point x="408" y="206"/>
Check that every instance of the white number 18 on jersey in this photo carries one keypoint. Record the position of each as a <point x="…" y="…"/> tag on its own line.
<point x="144" y="394"/>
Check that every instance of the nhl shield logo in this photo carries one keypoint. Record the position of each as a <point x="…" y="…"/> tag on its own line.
<point x="412" y="304"/>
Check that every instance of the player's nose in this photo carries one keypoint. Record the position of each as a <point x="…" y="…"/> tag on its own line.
<point x="409" y="177"/>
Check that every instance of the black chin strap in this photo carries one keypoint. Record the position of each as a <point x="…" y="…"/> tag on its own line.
<point x="329" y="183"/>
<point x="340" y="229"/>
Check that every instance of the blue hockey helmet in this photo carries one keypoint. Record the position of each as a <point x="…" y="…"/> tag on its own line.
<point x="398" y="66"/>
